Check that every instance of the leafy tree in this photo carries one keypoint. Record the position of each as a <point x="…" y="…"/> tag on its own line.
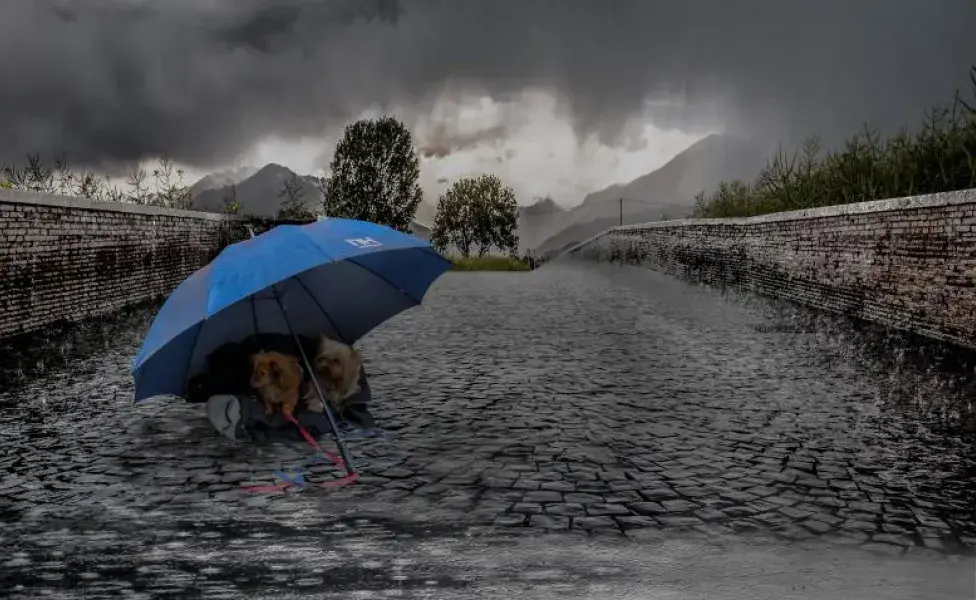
<point x="453" y="226"/>
<point x="293" y="204"/>
<point x="373" y="175"/>
<point x="476" y="211"/>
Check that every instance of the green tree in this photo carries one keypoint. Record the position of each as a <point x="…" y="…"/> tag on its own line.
<point x="293" y="207"/>
<point x="373" y="175"/>
<point x="476" y="211"/>
<point x="452" y="225"/>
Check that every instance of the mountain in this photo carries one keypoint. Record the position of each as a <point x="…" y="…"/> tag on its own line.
<point x="535" y="222"/>
<point x="222" y="178"/>
<point x="258" y="193"/>
<point x="668" y="192"/>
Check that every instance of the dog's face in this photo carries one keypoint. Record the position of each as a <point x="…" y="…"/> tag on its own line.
<point x="335" y="360"/>
<point x="269" y="368"/>
<point x="264" y="370"/>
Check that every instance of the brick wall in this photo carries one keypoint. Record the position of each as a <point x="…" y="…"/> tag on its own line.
<point x="65" y="259"/>
<point x="908" y="263"/>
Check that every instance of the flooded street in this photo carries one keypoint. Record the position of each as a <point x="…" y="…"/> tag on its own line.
<point x="577" y="431"/>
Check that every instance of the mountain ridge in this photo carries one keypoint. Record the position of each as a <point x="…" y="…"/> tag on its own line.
<point x="259" y="194"/>
<point x="222" y="178"/>
<point x="668" y="191"/>
<point x="543" y="226"/>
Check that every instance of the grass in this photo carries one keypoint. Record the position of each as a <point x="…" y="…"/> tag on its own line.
<point x="939" y="157"/>
<point x="489" y="263"/>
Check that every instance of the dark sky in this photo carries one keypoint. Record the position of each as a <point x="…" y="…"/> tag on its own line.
<point x="109" y="81"/>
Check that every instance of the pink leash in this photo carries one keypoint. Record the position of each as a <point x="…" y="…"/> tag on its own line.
<point x="331" y="457"/>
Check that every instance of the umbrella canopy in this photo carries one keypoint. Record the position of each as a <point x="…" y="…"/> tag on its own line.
<point x="337" y="277"/>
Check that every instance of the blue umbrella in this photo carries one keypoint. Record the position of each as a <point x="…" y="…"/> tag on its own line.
<point x="337" y="277"/>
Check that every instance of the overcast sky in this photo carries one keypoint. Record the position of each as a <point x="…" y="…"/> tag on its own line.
<point x="556" y="96"/>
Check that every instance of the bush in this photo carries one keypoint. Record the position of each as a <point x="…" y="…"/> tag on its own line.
<point x="490" y="263"/>
<point x="163" y="187"/>
<point x="941" y="157"/>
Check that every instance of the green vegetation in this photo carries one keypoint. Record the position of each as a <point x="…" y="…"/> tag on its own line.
<point x="490" y="263"/>
<point x="229" y="203"/>
<point x="476" y="211"/>
<point x="374" y="175"/>
<point x="940" y="157"/>
<point x="164" y="186"/>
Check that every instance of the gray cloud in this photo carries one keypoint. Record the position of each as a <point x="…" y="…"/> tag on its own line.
<point x="444" y="140"/>
<point x="110" y="81"/>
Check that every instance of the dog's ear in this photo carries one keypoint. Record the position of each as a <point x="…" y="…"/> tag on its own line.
<point x="257" y="373"/>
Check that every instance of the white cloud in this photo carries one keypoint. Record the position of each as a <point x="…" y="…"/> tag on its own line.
<point x="527" y="141"/>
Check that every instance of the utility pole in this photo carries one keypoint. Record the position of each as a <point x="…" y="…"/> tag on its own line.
<point x="621" y="212"/>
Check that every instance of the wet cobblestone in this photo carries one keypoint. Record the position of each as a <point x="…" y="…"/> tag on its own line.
<point x="606" y="401"/>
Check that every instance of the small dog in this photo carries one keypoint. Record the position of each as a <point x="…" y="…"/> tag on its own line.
<point x="277" y="377"/>
<point x="336" y="367"/>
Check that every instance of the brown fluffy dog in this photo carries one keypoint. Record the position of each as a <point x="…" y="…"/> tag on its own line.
<point x="337" y="368"/>
<point x="277" y="378"/>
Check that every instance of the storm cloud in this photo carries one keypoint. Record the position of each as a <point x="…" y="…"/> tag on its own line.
<point x="112" y="81"/>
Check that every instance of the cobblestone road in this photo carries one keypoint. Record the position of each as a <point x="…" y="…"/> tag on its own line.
<point x="612" y="402"/>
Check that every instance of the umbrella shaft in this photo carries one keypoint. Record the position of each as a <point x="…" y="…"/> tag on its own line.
<point x="350" y="468"/>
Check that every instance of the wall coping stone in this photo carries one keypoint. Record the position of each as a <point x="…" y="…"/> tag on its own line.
<point x="56" y="200"/>
<point x="967" y="196"/>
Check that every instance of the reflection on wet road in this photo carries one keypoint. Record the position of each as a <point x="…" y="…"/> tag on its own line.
<point x="622" y="410"/>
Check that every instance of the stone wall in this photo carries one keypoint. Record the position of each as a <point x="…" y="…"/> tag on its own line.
<point x="66" y="259"/>
<point x="907" y="263"/>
